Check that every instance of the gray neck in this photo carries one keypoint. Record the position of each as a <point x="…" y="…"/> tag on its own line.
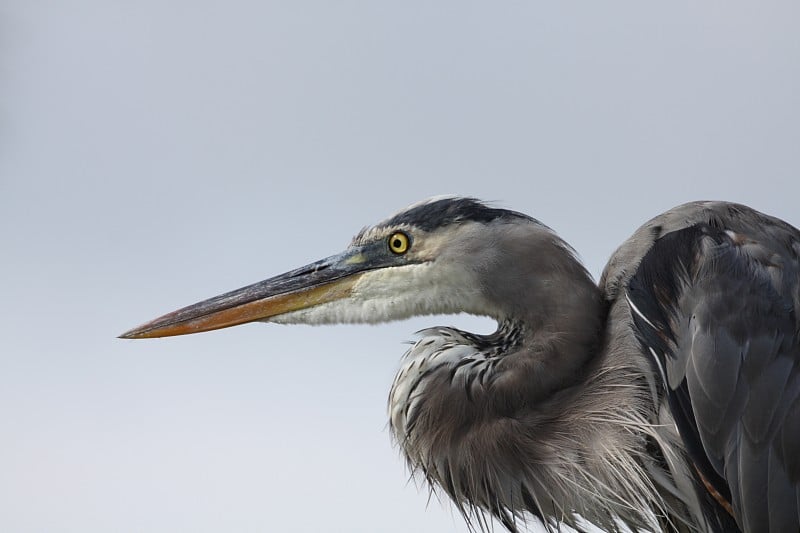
<point x="561" y="314"/>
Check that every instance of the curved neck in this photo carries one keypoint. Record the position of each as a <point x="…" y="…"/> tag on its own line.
<point x="539" y="417"/>
<point x="561" y="328"/>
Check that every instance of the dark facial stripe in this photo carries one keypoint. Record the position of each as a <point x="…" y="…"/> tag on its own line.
<point x="446" y="211"/>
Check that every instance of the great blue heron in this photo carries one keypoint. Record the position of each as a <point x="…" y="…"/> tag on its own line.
<point x="666" y="398"/>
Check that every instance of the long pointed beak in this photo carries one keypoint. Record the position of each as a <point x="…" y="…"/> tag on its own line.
<point x="324" y="281"/>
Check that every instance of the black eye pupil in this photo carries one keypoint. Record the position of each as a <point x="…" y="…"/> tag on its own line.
<point x="396" y="243"/>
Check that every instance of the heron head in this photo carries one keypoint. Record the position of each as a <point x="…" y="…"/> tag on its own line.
<point x="435" y="257"/>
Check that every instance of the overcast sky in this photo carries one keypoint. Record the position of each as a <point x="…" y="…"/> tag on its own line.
<point x="154" y="153"/>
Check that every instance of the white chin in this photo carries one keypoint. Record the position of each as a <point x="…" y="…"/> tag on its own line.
<point x="392" y="294"/>
<point x="339" y="312"/>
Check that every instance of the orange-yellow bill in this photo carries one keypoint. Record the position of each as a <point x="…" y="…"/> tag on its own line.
<point x="324" y="281"/>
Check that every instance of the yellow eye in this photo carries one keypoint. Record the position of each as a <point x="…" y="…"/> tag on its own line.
<point x="398" y="242"/>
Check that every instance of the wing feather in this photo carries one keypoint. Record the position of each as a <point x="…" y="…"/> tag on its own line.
<point x="716" y="303"/>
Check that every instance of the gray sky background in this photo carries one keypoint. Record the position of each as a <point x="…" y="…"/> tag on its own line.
<point x="155" y="153"/>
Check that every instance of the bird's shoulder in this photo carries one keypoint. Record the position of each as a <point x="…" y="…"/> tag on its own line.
<point x="765" y="234"/>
